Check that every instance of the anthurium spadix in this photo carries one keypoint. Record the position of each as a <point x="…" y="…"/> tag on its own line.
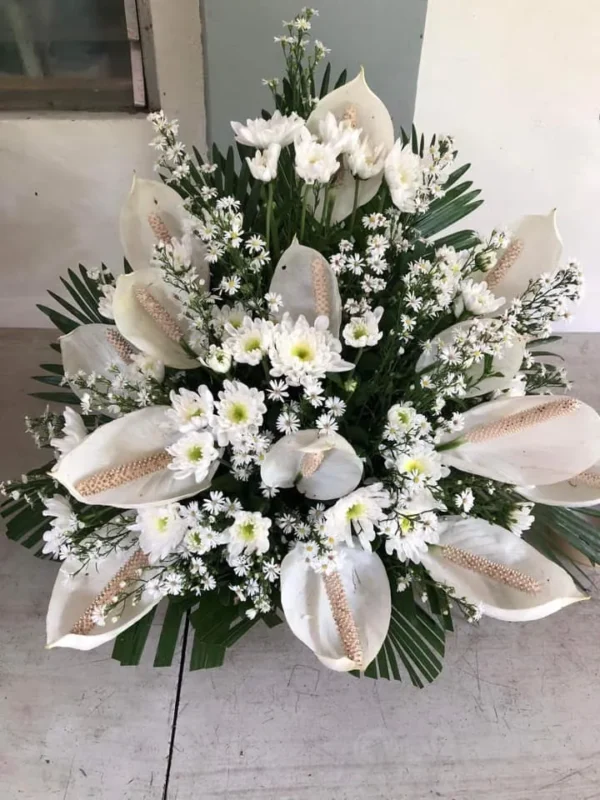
<point x="504" y="367"/>
<point x="535" y="248"/>
<point x="307" y="286"/>
<point x="78" y="616"/>
<point x="147" y="314"/>
<point x="526" y="441"/>
<point x="125" y="463"/>
<point x="342" y="616"/>
<point x="321" y="467"/>
<point x="357" y="105"/>
<point x="492" y="567"/>
<point x="577" y="492"/>
<point x="152" y="213"/>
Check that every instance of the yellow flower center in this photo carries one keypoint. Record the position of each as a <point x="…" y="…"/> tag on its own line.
<point x="247" y="531"/>
<point x="252" y="344"/>
<point x="195" y="453"/>
<point x="162" y="524"/>
<point x="360" y="331"/>
<point x="303" y="351"/>
<point x="237" y="413"/>
<point x="356" y="511"/>
<point x="415" y="465"/>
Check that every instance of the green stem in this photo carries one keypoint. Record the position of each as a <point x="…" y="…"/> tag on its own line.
<point x="451" y="445"/>
<point x="269" y="213"/>
<point x="354" y="203"/>
<point x="324" y="211"/>
<point x="303" y="216"/>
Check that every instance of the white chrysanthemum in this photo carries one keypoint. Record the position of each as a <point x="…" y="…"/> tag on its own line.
<point x="106" y="301"/>
<point x="161" y="530"/>
<point x="363" y="331"/>
<point x="64" y="522"/>
<point x="249" y="533"/>
<point x="366" y="161"/>
<point x="401" y="417"/>
<point x="314" y="161"/>
<point x="191" y="411"/>
<point x="299" y="351"/>
<point x="263" y="165"/>
<point x="340" y="136"/>
<point x="359" y="512"/>
<point x="217" y="359"/>
<point x="260" y="133"/>
<point x="239" y="411"/>
<point x="234" y="316"/>
<point x="422" y="464"/>
<point x="72" y="434"/>
<point x="192" y="455"/>
<point x="409" y="535"/>
<point x="248" y="342"/>
<point x="403" y="176"/>
<point x="476" y="298"/>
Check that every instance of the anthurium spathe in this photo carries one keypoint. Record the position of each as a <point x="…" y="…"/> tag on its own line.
<point x="496" y="570"/>
<point x="357" y="106"/>
<point x="307" y="286"/>
<point x="577" y="491"/>
<point x="153" y="213"/>
<point x="503" y="367"/>
<point x="125" y="463"/>
<point x="311" y="603"/>
<point x="148" y="315"/>
<point x="526" y="440"/>
<point x="321" y="467"/>
<point x="83" y="614"/>
<point x="535" y="248"/>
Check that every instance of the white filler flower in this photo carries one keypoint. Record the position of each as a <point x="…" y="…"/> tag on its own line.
<point x="249" y="533"/>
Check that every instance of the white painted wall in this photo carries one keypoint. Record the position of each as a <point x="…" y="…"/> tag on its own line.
<point x="64" y="177"/>
<point x="518" y="83"/>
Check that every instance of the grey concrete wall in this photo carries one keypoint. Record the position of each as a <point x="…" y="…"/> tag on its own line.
<point x="385" y="36"/>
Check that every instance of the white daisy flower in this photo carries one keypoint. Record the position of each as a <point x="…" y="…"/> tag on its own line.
<point x="336" y="405"/>
<point x="249" y="533"/>
<point x="278" y="391"/>
<point x="191" y="411"/>
<point x="248" y="342"/>
<point x="192" y="455"/>
<point x="299" y="351"/>
<point x="239" y="411"/>
<point x="288" y="422"/>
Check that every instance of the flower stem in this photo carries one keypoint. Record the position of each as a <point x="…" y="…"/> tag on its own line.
<point x="303" y="216"/>
<point x="354" y="203"/>
<point x="269" y="213"/>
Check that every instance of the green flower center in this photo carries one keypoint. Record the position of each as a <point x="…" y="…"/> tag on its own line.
<point x="415" y="465"/>
<point x="247" y="531"/>
<point x="195" y="453"/>
<point x="162" y="523"/>
<point x="355" y="511"/>
<point x="237" y="413"/>
<point x="360" y="331"/>
<point x="252" y="344"/>
<point x="303" y="352"/>
<point x="195" y="412"/>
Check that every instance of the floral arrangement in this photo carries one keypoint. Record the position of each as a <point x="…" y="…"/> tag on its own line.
<point x="300" y="399"/>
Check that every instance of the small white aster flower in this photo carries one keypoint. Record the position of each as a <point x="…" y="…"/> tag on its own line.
<point x="230" y="285"/>
<point x="464" y="500"/>
<point x="336" y="405"/>
<point x="274" y="301"/>
<point x="288" y="422"/>
<point x="278" y="391"/>
<point x="327" y="424"/>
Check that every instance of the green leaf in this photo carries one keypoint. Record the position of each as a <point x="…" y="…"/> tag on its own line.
<point x="79" y="315"/>
<point x="325" y="82"/>
<point x="56" y="397"/>
<point x="205" y="655"/>
<point x="461" y="240"/>
<point x="64" y="324"/>
<point x="459" y="208"/>
<point x="342" y="79"/>
<point x="169" y="634"/>
<point x="49" y="380"/>
<point x="130" y="644"/>
<point x="456" y="175"/>
<point x="271" y="619"/>
<point x="55" y="369"/>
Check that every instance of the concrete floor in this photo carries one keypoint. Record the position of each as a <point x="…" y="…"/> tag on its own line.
<point x="516" y="713"/>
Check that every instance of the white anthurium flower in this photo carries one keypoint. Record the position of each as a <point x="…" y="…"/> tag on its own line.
<point x="263" y="165"/>
<point x="309" y="614"/>
<point x="525" y="441"/>
<point x="357" y="106"/>
<point x="75" y="590"/>
<point x="148" y="314"/>
<point x="93" y="349"/>
<point x="72" y="434"/>
<point x="577" y="492"/>
<point x="320" y="467"/>
<point x="499" y="572"/>
<point x="260" y="133"/>
<point x="404" y="176"/>
<point x="535" y="248"/>
<point x="507" y="364"/>
<point x="153" y="213"/>
<point x="307" y="286"/>
<point x="125" y="464"/>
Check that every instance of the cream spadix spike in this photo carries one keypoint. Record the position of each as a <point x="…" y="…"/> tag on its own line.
<point x="505" y="263"/>
<point x="520" y="421"/>
<point x="113" y="477"/>
<point x="342" y="616"/>
<point x="160" y="315"/>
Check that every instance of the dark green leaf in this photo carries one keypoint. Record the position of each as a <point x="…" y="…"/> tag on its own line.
<point x="64" y="324"/>
<point x="56" y="397"/>
<point x="325" y="81"/>
<point x="169" y="634"/>
<point x="342" y="79"/>
<point x="130" y="644"/>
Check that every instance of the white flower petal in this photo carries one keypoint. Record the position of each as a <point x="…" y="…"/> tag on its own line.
<point x="542" y="248"/>
<point x="549" y="452"/>
<point x="503" y="547"/>
<point x="508" y="363"/>
<point x="139" y="327"/>
<point x="294" y="281"/>
<point x="132" y="437"/>
<point x="371" y="115"/>
<point x="339" y="473"/>
<point x="308" y="613"/>
<point x="72" y="596"/>
<point x="575" y="492"/>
